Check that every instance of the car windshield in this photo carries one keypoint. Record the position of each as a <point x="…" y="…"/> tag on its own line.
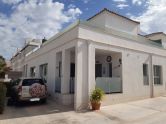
<point x="29" y="82"/>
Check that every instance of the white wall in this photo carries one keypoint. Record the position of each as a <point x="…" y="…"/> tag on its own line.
<point x="160" y="89"/>
<point x="161" y="37"/>
<point x="47" y="54"/>
<point x="132" y="72"/>
<point x="110" y="20"/>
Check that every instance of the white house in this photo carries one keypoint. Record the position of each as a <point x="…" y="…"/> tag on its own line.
<point x="105" y="51"/>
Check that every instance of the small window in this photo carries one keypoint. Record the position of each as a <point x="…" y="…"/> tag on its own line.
<point x="32" y="71"/>
<point x="145" y="74"/>
<point x="43" y="71"/>
<point x="157" y="74"/>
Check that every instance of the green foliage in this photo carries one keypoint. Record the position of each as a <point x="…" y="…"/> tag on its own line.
<point x="2" y="67"/>
<point x="97" y="95"/>
<point x="2" y="97"/>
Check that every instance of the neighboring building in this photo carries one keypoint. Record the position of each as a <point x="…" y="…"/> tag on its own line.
<point x="105" y="51"/>
<point x="17" y="61"/>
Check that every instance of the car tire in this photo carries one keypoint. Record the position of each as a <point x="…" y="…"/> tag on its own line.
<point x="10" y="102"/>
<point x="43" y="100"/>
<point x="18" y="103"/>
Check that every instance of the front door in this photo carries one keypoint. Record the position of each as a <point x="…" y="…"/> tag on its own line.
<point x="98" y="70"/>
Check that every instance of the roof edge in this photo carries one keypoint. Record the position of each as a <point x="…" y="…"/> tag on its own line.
<point x="155" y="33"/>
<point x="105" y="9"/>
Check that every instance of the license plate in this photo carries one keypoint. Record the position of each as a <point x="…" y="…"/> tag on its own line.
<point x="34" y="99"/>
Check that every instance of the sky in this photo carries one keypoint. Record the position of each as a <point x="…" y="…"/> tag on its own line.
<point x="24" y="19"/>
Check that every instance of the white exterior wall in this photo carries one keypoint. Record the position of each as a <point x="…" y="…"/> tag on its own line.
<point x="158" y="37"/>
<point x="110" y="20"/>
<point x="47" y="54"/>
<point x="160" y="89"/>
<point x="133" y="87"/>
<point x="134" y="54"/>
<point x="120" y="23"/>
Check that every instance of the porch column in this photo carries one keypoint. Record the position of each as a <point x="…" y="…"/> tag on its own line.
<point x="81" y="76"/>
<point x="65" y="80"/>
<point x="91" y="67"/>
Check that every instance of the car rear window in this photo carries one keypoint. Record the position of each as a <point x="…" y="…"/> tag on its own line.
<point x="29" y="82"/>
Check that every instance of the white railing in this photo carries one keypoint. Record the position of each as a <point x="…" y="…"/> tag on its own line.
<point x="109" y="84"/>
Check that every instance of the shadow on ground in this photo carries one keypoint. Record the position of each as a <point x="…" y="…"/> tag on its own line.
<point x="34" y="109"/>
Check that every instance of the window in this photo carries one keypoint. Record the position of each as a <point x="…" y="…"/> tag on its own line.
<point x="32" y="71"/>
<point x="29" y="82"/>
<point x="43" y="72"/>
<point x="157" y="74"/>
<point x="145" y="74"/>
<point x="158" y="41"/>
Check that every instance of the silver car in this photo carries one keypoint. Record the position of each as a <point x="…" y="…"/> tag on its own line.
<point x="30" y="89"/>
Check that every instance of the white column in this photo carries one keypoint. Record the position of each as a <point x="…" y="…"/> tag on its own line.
<point x="91" y="68"/>
<point x="81" y="76"/>
<point x="65" y="80"/>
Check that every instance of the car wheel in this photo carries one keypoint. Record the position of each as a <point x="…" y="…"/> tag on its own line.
<point x="18" y="103"/>
<point x="43" y="100"/>
<point x="10" y="102"/>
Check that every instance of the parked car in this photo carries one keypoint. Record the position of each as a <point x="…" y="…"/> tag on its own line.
<point x="28" y="89"/>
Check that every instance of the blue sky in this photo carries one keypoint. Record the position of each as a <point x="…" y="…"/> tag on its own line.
<point x="23" y="19"/>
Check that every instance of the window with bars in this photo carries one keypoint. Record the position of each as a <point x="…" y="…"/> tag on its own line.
<point x="32" y="71"/>
<point x="43" y="71"/>
<point x="157" y="74"/>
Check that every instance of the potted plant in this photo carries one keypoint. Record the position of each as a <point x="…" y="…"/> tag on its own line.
<point x="95" y="98"/>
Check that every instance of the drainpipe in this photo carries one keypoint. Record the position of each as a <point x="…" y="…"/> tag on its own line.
<point x="151" y="76"/>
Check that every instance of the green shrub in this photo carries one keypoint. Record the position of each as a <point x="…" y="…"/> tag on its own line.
<point x="97" y="95"/>
<point x="2" y="97"/>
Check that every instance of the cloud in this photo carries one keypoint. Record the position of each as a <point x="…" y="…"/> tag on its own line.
<point x="33" y="19"/>
<point x="86" y="1"/>
<point x="154" y="17"/>
<point x="120" y="1"/>
<point x="137" y="2"/>
<point x="122" y="6"/>
<point x="11" y="1"/>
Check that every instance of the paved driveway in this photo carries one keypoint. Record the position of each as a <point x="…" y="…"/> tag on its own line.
<point x="149" y="111"/>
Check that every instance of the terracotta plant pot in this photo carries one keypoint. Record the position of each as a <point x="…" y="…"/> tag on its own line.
<point x="95" y="105"/>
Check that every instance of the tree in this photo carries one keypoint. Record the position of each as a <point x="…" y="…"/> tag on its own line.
<point x="2" y="67"/>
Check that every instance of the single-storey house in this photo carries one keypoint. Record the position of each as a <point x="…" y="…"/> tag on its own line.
<point x="105" y="51"/>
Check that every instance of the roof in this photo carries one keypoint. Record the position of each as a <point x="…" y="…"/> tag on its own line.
<point x="26" y="45"/>
<point x="105" y="9"/>
<point x="155" y="33"/>
<point x="135" y="38"/>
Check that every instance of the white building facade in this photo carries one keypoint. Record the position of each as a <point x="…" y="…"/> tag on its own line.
<point x="106" y="51"/>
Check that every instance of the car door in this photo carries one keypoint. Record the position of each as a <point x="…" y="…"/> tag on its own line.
<point x="26" y="83"/>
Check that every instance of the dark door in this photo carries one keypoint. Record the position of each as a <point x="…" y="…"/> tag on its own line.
<point x="72" y="70"/>
<point x="110" y="69"/>
<point x="98" y="70"/>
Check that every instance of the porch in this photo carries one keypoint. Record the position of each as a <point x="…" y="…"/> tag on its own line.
<point x="108" y="71"/>
<point x="65" y="77"/>
<point x="79" y="69"/>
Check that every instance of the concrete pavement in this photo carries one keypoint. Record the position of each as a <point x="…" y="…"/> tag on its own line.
<point x="148" y="111"/>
